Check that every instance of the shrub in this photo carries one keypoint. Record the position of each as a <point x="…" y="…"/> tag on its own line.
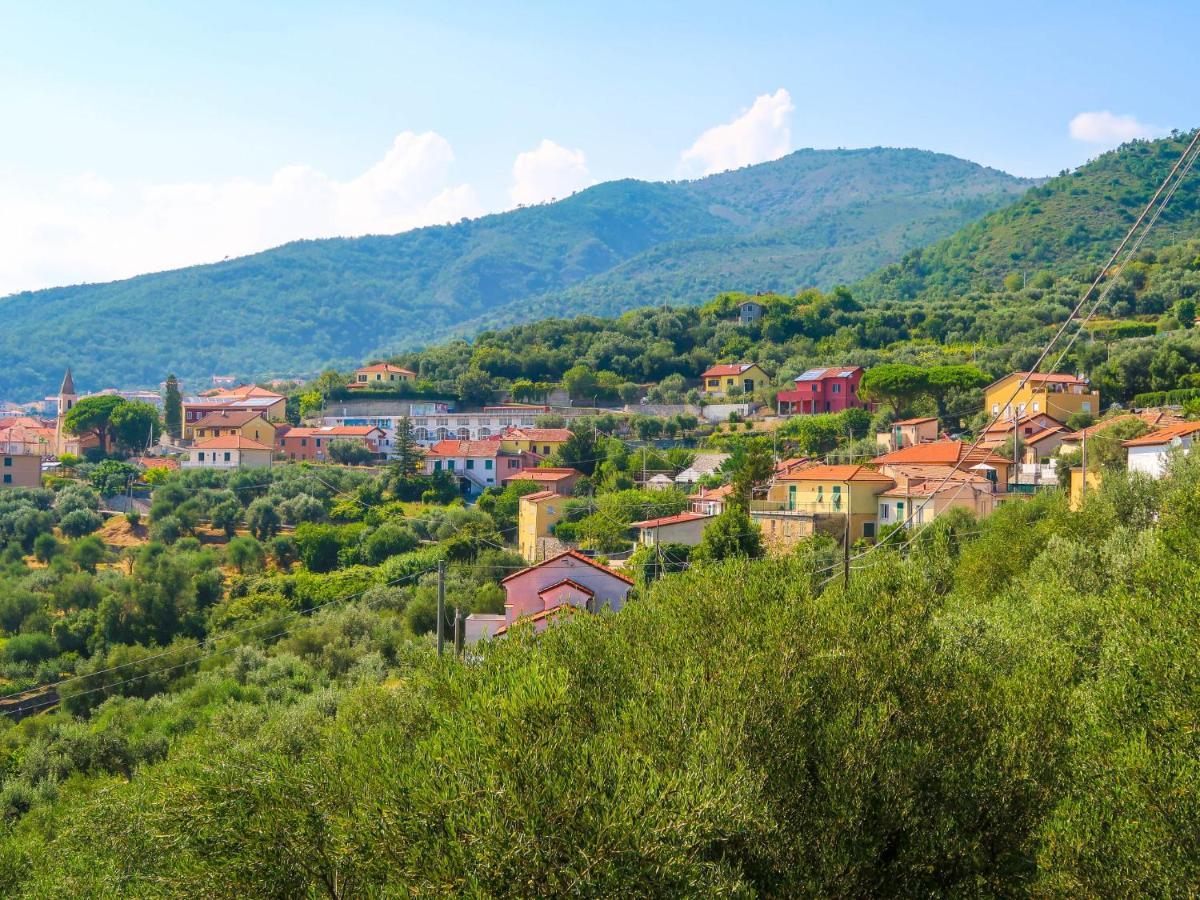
<point x="80" y="522"/>
<point x="30" y="648"/>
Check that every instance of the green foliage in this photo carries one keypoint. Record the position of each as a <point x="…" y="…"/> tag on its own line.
<point x="172" y="407"/>
<point x="79" y="522"/>
<point x="350" y="453"/>
<point x="598" y="251"/>
<point x="730" y="535"/>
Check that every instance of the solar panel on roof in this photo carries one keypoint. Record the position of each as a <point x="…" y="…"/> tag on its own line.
<point x="811" y="375"/>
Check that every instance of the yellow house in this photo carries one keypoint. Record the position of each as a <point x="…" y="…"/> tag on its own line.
<point x="244" y="423"/>
<point x="381" y="375"/>
<point x="539" y="441"/>
<point x="1059" y="396"/>
<point x="536" y="515"/>
<point x="819" y="498"/>
<point x="746" y="377"/>
<point x="1077" y="492"/>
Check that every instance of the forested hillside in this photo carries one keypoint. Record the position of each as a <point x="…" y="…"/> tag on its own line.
<point x="811" y="218"/>
<point x="1009" y="707"/>
<point x="1070" y="224"/>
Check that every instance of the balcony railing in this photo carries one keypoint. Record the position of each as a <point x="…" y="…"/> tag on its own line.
<point x="786" y="507"/>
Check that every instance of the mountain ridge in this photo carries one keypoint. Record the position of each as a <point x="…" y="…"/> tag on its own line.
<point x="814" y="216"/>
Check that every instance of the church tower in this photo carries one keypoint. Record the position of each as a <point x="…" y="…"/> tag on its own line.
<point x="66" y="400"/>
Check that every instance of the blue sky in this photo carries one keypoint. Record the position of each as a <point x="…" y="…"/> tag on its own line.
<point x="141" y="136"/>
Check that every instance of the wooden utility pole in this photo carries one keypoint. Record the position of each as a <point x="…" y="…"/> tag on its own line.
<point x="846" y="543"/>
<point x="1083" y="465"/>
<point x="441" y="608"/>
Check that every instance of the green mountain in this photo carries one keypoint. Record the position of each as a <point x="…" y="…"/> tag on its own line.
<point x="816" y="217"/>
<point x="1065" y="226"/>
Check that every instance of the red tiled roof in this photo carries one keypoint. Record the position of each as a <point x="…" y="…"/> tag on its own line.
<point x="542" y="473"/>
<point x="155" y="462"/>
<point x="227" y="418"/>
<point x="944" y="453"/>
<point x="1164" y="435"/>
<point x="331" y="431"/>
<point x="242" y="392"/>
<point x="916" y="421"/>
<point x="541" y="495"/>
<point x="575" y="554"/>
<point x="1004" y="426"/>
<point x="533" y="434"/>
<point x="568" y="581"/>
<point x="230" y="442"/>
<point x="386" y="367"/>
<point x="455" y="448"/>
<point x="717" y="493"/>
<point x="1152" y="417"/>
<point x="670" y="520"/>
<point x="836" y="473"/>
<point x="538" y="616"/>
<point x="727" y="369"/>
<point x="1041" y="378"/>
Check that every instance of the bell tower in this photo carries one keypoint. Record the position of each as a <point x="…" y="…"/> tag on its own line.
<point x="66" y="400"/>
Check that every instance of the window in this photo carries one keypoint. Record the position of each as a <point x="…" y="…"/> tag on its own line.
<point x="1087" y="406"/>
<point x="868" y="529"/>
<point x="546" y="451"/>
<point x="884" y="510"/>
<point x="8" y="462"/>
<point x="201" y="456"/>
<point x="362" y="377"/>
<point x="303" y="442"/>
<point x="514" y="464"/>
<point x="226" y="456"/>
<point x="815" y="387"/>
<point x="7" y="478"/>
<point x="437" y="465"/>
<point x="837" y="496"/>
<point x="470" y="463"/>
<point x="487" y="464"/>
<point x="837" y="388"/>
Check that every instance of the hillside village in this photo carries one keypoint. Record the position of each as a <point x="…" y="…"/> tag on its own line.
<point x="846" y="454"/>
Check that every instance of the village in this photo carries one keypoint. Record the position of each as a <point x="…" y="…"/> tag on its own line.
<point x="554" y="461"/>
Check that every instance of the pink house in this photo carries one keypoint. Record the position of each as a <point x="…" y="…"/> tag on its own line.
<point x="823" y="391"/>
<point x="541" y="593"/>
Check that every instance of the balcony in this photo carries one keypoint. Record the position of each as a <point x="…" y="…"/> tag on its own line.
<point x="805" y="510"/>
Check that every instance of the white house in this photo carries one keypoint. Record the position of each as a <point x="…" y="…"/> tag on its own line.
<point x="685" y="528"/>
<point x="1149" y="453"/>
<point x="229" y="452"/>
<point x="703" y="464"/>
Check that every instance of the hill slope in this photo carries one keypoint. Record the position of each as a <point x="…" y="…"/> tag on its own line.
<point x="1070" y="223"/>
<point x="814" y="217"/>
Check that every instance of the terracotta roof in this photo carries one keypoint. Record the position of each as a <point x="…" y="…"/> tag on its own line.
<point x="1164" y="435"/>
<point x="330" y="431"/>
<point x="456" y="448"/>
<point x="575" y="554"/>
<point x="836" y="473"/>
<point x="1043" y="434"/>
<point x="717" y="493"/>
<point x="1042" y="378"/>
<point x="155" y="462"/>
<point x="670" y="520"/>
<point x="943" y="453"/>
<point x="230" y="442"/>
<point x="228" y="418"/>
<point x="567" y="581"/>
<point x="917" y="421"/>
<point x="545" y="473"/>
<point x="795" y="462"/>
<point x="1004" y="426"/>
<point x="386" y="367"/>
<point x="726" y="369"/>
<point x="533" y="434"/>
<point x="936" y="486"/>
<point x="245" y="392"/>
<point x="540" y="496"/>
<point x="1152" y="417"/>
<point x="833" y="372"/>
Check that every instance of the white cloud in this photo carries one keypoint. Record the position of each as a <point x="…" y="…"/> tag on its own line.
<point x="761" y="133"/>
<point x="90" y="230"/>
<point x="1104" y="127"/>
<point x="548" y="170"/>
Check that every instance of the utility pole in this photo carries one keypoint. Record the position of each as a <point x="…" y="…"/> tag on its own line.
<point x="846" y="543"/>
<point x="459" y="625"/>
<point x="1083" y="464"/>
<point x="441" y="608"/>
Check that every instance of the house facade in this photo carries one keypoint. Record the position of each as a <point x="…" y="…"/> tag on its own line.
<point x="380" y="376"/>
<point x="539" y="441"/>
<point x="245" y="423"/>
<point x="20" y="470"/>
<point x="944" y="456"/>
<point x="823" y="391"/>
<point x="1151" y="453"/>
<point x="719" y="380"/>
<point x="537" y="514"/>
<point x="710" y="501"/>
<point x="247" y="398"/>
<point x="684" y="528"/>
<point x="820" y="498"/>
<point x="229" y="453"/>
<point x="1060" y="396"/>
<point x="477" y="465"/>
<point x="918" y="501"/>
<point x="312" y="444"/>
<point x="560" y="481"/>
<point x="906" y="433"/>
<point x="431" y="420"/>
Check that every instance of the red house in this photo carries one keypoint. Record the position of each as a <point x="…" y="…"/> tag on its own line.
<point x="823" y="391"/>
